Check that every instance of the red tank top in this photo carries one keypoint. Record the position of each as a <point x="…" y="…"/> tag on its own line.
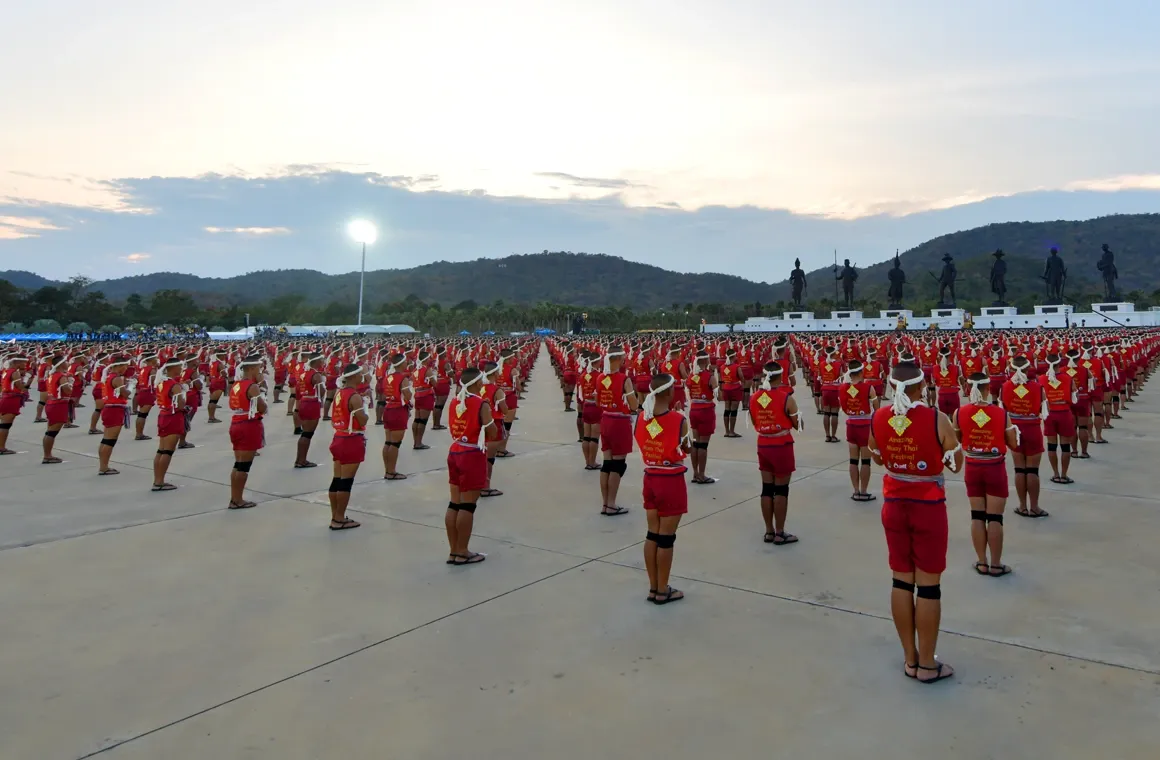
<point x="911" y="453"/>
<point x="240" y="401"/>
<point x="306" y="388"/>
<point x="768" y="409"/>
<point x="392" y="387"/>
<point x="1023" y="402"/>
<point x="659" y="440"/>
<point x="166" y="404"/>
<point x="984" y="428"/>
<point x="109" y="394"/>
<point x="673" y="368"/>
<point x="8" y="380"/>
<point x="730" y="376"/>
<point x="700" y="387"/>
<point x="1058" y="393"/>
<point x="466" y="429"/>
<point x="55" y="381"/>
<point x="829" y="372"/>
<point x="588" y="386"/>
<point x="421" y="381"/>
<point x="342" y="419"/>
<point x="610" y="394"/>
<point x="947" y="379"/>
<point x="854" y="398"/>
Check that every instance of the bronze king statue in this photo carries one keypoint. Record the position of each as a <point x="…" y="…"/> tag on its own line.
<point x="848" y="276"/>
<point x="1107" y="267"/>
<point x="797" y="281"/>
<point x="897" y="279"/>
<point x="1055" y="276"/>
<point x="999" y="278"/>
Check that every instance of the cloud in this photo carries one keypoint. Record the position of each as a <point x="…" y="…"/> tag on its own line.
<point x="1116" y="184"/>
<point x="135" y="258"/>
<point x="224" y="225"/>
<point x="600" y="182"/>
<point x="16" y="227"/>
<point x="248" y="230"/>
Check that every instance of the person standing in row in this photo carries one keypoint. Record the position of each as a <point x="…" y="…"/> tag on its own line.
<point x="247" y="433"/>
<point x="775" y="416"/>
<point x="617" y="401"/>
<point x="171" y="421"/>
<point x="470" y="421"/>
<point x="703" y="391"/>
<point x="348" y="449"/>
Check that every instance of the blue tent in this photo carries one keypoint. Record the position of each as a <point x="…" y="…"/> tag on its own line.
<point x="488" y="332"/>
<point x="465" y="332"/>
<point x="545" y="331"/>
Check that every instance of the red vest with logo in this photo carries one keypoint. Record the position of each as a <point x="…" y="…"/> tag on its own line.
<point x="700" y="388"/>
<point x="342" y="419"/>
<point x="984" y="428"/>
<point x="771" y="420"/>
<point x="660" y="443"/>
<point x="854" y="399"/>
<point x="610" y="394"/>
<point x="464" y="423"/>
<point x="239" y="398"/>
<point x="911" y="453"/>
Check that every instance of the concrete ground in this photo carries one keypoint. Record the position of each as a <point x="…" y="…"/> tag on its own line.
<point x="153" y="626"/>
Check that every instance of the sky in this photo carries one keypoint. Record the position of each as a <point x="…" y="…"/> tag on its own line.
<point x="218" y="137"/>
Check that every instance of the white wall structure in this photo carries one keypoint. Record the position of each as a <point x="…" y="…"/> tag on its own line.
<point x="994" y="317"/>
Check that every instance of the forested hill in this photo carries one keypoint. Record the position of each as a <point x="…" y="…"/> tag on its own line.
<point x="601" y="280"/>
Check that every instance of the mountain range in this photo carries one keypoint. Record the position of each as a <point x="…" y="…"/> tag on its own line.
<point x="603" y="280"/>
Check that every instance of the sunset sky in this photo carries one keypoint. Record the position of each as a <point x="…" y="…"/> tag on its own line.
<point x="570" y="116"/>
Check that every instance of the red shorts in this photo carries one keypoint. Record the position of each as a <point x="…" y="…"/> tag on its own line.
<point x="247" y="434"/>
<point x="703" y="419"/>
<point x="217" y="385"/>
<point x="114" y="416"/>
<point x="467" y="470"/>
<point x="98" y="392"/>
<point x="146" y="397"/>
<point x="733" y="394"/>
<point x="778" y="460"/>
<point x="426" y="402"/>
<point x="570" y="377"/>
<point x="1030" y="437"/>
<point x="348" y="449"/>
<point x="1059" y="422"/>
<point x="511" y="399"/>
<point x="949" y="403"/>
<point x="615" y="435"/>
<point x="997" y="385"/>
<point x="395" y="418"/>
<point x="916" y="535"/>
<point x="442" y="388"/>
<point x="56" y="412"/>
<point x="858" y="433"/>
<point x="986" y="478"/>
<point x="641" y="383"/>
<point x="590" y="414"/>
<point x="830" y="397"/>
<point x="309" y="409"/>
<point x="666" y="493"/>
<point x="1082" y="408"/>
<point x="879" y="387"/>
<point x="280" y="376"/>
<point x="170" y="424"/>
<point x="10" y="403"/>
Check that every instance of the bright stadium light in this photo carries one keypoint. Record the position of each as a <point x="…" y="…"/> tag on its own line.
<point x="363" y="232"/>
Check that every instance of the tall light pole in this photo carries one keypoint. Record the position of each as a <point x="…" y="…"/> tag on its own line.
<point x="363" y="232"/>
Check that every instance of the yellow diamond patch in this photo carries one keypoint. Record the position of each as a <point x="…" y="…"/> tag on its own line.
<point x="1056" y="384"/>
<point x="1072" y="371"/>
<point x="981" y="418"/>
<point x="900" y="422"/>
<point x="764" y="400"/>
<point x="237" y="387"/>
<point x="1021" y="391"/>
<point x="654" y="428"/>
<point x="460" y="409"/>
<point x="852" y="391"/>
<point x="606" y="382"/>
<point x="829" y="367"/>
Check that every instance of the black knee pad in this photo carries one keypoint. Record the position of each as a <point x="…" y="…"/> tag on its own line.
<point x="40" y="403"/>
<point x="1052" y="446"/>
<point x="420" y="421"/>
<point x="243" y="466"/>
<point x="1115" y="398"/>
<point x="345" y="484"/>
<point x="381" y="402"/>
<point x="767" y="490"/>
<point x="929" y="592"/>
<point x="995" y="519"/>
<point x="1065" y="448"/>
<point x="1081" y="427"/>
<point x="142" y="415"/>
<point x="855" y="461"/>
<point x="453" y="506"/>
<point x="307" y="434"/>
<point x="334" y="485"/>
<point x="110" y="442"/>
<point x="51" y="433"/>
<point x="166" y="452"/>
<point x="666" y="540"/>
<point x="297" y="431"/>
<point x="5" y="425"/>
<point x="607" y="466"/>
<point x="902" y="585"/>
<point x="467" y="507"/>
<point x="979" y="514"/>
<point x="1029" y="471"/>
<point x="568" y="395"/>
<point x="507" y="426"/>
<point x="781" y="490"/>
<point x="293" y="394"/>
<point x="491" y="460"/>
<point x="701" y="445"/>
<point x="650" y="536"/>
<point x="440" y="407"/>
<point x="619" y="467"/>
<point x="1020" y="471"/>
<point x="867" y="462"/>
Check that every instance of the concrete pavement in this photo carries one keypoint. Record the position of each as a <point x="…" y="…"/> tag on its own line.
<point x="142" y="625"/>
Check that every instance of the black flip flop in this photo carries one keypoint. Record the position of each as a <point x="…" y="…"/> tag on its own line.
<point x="667" y="596"/>
<point x="616" y="512"/>
<point x="474" y="558"/>
<point x="769" y="537"/>
<point x="346" y="524"/>
<point x="1003" y="570"/>
<point x="939" y="675"/>
<point x="786" y="538"/>
<point x="165" y="487"/>
<point x="982" y="568"/>
<point x="394" y="476"/>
